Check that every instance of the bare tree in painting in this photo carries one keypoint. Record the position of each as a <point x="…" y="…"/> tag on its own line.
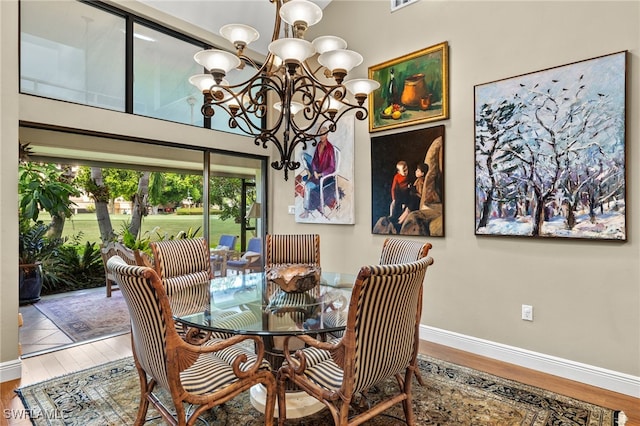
<point x="492" y="155"/>
<point x="563" y="127"/>
<point x="555" y="146"/>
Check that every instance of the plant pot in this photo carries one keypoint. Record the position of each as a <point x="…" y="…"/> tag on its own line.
<point x="30" y="282"/>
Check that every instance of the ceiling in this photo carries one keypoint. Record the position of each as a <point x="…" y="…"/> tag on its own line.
<point x="213" y="14"/>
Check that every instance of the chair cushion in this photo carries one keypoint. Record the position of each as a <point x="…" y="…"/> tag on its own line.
<point x="232" y="352"/>
<point x="326" y="374"/>
<point x="237" y="263"/>
<point x="213" y="371"/>
<point x="250" y="254"/>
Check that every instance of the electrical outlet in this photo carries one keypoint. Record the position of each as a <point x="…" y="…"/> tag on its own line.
<point x="292" y="209"/>
<point x="527" y="312"/>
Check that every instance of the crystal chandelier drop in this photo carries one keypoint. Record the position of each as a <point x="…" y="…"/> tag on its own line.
<point x="305" y="108"/>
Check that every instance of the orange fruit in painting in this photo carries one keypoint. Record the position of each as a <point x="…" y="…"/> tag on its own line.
<point x="396" y="115"/>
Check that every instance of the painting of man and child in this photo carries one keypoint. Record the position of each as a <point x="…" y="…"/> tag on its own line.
<point x="324" y="181"/>
<point x="407" y="180"/>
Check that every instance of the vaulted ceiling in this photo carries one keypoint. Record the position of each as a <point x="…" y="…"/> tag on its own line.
<point x="213" y="14"/>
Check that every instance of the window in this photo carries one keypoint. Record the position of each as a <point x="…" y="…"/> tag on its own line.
<point x="76" y="52"/>
<point x="162" y="67"/>
<point x="72" y="52"/>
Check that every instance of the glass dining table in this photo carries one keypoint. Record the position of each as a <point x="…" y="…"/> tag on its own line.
<point x="249" y="304"/>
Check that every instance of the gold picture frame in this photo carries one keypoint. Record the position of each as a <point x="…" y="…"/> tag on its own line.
<point x="414" y="89"/>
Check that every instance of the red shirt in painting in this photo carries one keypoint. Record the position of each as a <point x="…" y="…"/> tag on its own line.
<point x="324" y="161"/>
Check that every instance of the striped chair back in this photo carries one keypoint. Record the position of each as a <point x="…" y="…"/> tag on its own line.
<point x="174" y="258"/>
<point x="397" y="250"/>
<point x="143" y="292"/>
<point x="383" y="320"/>
<point x="295" y="248"/>
<point x="282" y="249"/>
<point x="184" y="267"/>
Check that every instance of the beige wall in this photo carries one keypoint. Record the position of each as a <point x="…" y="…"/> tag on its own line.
<point x="586" y="294"/>
<point x="8" y="183"/>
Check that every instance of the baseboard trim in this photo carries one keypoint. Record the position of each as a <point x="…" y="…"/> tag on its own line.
<point x="10" y="370"/>
<point x="595" y="376"/>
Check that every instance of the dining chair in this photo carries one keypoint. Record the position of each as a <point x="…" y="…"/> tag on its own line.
<point x="286" y="249"/>
<point x="399" y="250"/>
<point x="394" y="250"/>
<point x="282" y="249"/>
<point x="200" y="375"/>
<point x="251" y="260"/>
<point x="380" y="341"/>
<point x="184" y="269"/>
<point x="114" y="248"/>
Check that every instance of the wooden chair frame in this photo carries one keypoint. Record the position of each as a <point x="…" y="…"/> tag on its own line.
<point x="178" y="355"/>
<point x="114" y="248"/>
<point x="370" y="287"/>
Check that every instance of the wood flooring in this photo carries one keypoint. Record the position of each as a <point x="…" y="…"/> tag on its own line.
<point x="43" y="367"/>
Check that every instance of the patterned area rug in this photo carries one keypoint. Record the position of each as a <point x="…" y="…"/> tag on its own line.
<point x="453" y="395"/>
<point x="87" y="314"/>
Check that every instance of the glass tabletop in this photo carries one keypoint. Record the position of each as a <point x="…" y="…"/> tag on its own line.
<point x="249" y="304"/>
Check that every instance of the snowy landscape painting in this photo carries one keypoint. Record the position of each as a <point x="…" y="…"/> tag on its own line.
<point x="550" y="152"/>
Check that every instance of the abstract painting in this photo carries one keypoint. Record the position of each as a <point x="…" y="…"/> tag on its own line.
<point x="550" y="152"/>
<point x="324" y="181"/>
<point x="407" y="183"/>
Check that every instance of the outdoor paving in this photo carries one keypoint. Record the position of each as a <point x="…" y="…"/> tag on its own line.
<point x="38" y="333"/>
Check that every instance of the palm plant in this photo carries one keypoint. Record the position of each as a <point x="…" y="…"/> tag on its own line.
<point x="36" y="252"/>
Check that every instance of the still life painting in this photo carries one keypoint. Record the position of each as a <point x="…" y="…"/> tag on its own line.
<point x="550" y="152"/>
<point x="407" y="183"/>
<point x="413" y="89"/>
<point x="324" y="180"/>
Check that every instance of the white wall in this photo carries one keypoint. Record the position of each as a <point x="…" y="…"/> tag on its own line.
<point x="585" y="294"/>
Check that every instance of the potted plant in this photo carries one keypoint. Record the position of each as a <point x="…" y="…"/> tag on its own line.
<point x="41" y="187"/>
<point x="34" y="249"/>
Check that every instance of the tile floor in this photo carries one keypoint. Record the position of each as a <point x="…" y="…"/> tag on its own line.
<point x="38" y="334"/>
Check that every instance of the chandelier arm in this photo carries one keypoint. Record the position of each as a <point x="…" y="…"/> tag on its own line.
<point x="300" y="89"/>
<point x="251" y="62"/>
<point x="305" y="69"/>
<point x="247" y="103"/>
<point x="278" y="22"/>
<point x="314" y="73"/>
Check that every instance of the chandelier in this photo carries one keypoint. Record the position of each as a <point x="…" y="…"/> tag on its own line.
<point x="303" y="108"/>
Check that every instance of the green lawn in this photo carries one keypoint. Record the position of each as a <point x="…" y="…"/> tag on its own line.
<point x="166" y="224"/>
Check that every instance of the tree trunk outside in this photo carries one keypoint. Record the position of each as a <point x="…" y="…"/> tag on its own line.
<point x="57" y="226"/>
<point x="139" y="208"/>
<point x="101" y="198"/>
<point x="58" y="220"/>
